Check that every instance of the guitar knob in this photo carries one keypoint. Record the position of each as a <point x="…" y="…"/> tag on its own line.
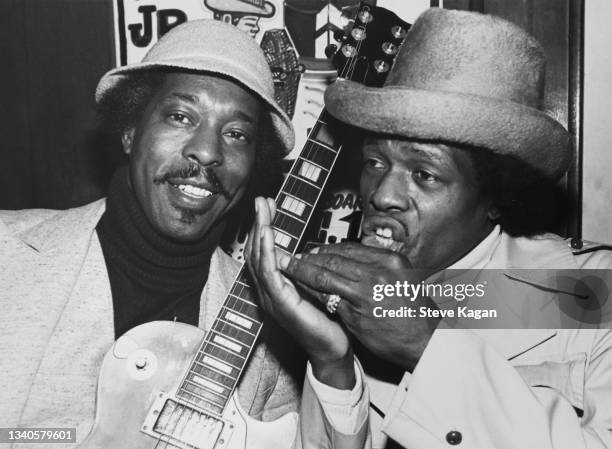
<point x="331" y="50"/>
<point x="141" y="363"/>
<point x="398" y="32"/>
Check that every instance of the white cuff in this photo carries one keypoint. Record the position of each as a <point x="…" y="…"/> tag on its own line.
<point x="346" y="410"/>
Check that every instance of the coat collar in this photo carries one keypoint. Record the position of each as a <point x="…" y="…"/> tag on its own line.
<point x="52" y="233"/>
<point x="522" y="261"/>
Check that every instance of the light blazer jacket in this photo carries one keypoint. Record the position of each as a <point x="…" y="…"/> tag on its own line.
<point x="515" y="388"/>
<point x="57" y="323"/>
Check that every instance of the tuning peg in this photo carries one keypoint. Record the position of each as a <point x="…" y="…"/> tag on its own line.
<point x="358" y="34"/>
<point x="398" y="32"/>
<point x="389" y="48"/>
<point x="349" y="51"/>
<point x="365" y="16"/>
<point x="381" y="66"/>
<point x="331" y="50"/>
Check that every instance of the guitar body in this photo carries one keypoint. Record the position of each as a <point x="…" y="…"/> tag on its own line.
<point x="147" y="364"/>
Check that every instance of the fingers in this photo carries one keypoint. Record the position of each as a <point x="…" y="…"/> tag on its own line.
<point x="356" y="251"/>
<point x="272" y="277"/>
<point x="319" y="278"/>
<point x="343" y="266"/>
<point x="264" y="211"/>
<point x="271" y="206"/>
<point x="368" y="256"/>
<point x="260" y="254"/>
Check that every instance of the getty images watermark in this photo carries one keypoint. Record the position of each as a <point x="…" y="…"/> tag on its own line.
<point x="501" y="299"/>
<point x="411" y="292"/>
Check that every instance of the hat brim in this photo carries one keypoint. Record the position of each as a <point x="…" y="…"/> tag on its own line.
<point x="501" y="126"/>
<point x="280" y="121"/>
<point x="267" y="10"/>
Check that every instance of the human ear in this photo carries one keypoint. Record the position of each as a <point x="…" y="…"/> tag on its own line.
<point x="127" y="139"/>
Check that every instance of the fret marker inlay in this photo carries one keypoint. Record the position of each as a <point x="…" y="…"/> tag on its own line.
<point x="294" y="206"/>
<point x="208" y="384"/>
<point x="226" y="343"/>
<point x="281" y="238"/>
<point x="310" y="171"/>
<point x="239" y="320"/>
<point x="217" y="364"/>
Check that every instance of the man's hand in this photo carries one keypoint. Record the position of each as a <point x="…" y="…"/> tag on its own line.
<point x="324" y="339"/>
<point x="351" y="270"/>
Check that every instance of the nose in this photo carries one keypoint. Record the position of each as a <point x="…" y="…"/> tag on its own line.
<point x="391" y="193"/>
<point x="204" y="146"/>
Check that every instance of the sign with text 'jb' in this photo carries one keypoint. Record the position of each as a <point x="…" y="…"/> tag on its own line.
<point x="140" y="23"/>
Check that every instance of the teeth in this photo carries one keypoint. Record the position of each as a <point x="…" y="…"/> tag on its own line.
<point x="385" y="242"/>
<point x="384" y="232"/>
<point x="382" y="237"/>
<point x="194" y="191"/>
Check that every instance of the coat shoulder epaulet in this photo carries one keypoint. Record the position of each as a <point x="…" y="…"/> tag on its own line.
<point x="579" y="246"/>
<point x="591" y="255"/>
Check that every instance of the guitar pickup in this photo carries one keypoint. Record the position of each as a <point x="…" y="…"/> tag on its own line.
<point x="184" y="426"/>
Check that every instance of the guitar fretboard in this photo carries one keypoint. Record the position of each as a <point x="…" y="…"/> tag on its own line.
<point x="222" y="356"/>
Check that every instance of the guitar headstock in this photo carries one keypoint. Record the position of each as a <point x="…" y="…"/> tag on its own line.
<point x="367" y="52"/>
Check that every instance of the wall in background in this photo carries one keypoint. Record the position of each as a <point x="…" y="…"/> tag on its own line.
<point x="597" y="170"/>
<point x="53" y="54"/>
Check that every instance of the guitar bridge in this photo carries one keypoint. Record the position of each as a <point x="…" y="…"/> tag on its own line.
<point x="183" y="426"/>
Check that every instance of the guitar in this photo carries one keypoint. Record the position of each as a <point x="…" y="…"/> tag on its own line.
<point x="167" y="384"/>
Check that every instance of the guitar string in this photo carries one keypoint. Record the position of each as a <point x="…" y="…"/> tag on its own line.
<point x="313" y="149"/>
<point x="310" y="147"/>
<point x="347" y="69"/>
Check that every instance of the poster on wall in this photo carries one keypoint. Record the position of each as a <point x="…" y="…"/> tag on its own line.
<point x="304" y="27"/>
<point x="294" y="35"/>
<point x="311" y="24"/>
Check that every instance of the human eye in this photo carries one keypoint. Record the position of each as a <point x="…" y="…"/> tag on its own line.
<point x="425" y="176"/>
<point x="373" y="163"/>
<point x="237" y="136"/>
<point x="180" y="118"/>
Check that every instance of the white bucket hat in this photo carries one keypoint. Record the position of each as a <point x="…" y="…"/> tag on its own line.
<point x="212" y="47"/>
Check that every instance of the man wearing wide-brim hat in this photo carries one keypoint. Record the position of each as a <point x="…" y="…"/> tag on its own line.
<point x="456" y="147"/>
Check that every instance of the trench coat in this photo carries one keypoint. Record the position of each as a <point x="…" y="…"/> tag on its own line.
<point x="499" y="388"/>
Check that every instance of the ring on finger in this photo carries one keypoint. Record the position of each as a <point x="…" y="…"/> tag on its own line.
<point x="332" y="303"/>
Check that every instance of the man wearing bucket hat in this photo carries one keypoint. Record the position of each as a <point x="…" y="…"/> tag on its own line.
<point x="198" y="121"/>
<point x="454" y="135"/>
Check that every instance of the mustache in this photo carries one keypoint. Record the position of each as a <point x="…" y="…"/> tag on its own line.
<point x="193" y="170"/>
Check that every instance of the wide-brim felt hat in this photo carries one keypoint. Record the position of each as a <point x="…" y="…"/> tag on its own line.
<point x="466" y="78"/>
<point x="216" y="48"/>
<point x="255" y="7"/>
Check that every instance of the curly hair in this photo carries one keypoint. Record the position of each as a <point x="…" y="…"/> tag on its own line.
<point x="527" y="201"/>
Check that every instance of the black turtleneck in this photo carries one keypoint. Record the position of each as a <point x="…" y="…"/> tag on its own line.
<point x="151" y="276"/>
